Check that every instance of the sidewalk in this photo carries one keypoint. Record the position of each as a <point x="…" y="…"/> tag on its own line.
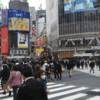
<point x="96" y="71"/>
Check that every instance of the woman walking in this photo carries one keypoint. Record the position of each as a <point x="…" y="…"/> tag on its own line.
<point x="5" y="73"/>
<point x="15" y="79"/>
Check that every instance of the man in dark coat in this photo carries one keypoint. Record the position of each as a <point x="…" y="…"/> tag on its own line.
<point x="59" y="69"/>
<point x="69" y="68"/>
<point x="31" y="89"/>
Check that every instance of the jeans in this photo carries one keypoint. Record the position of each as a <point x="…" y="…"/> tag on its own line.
<point x="47" y="75"/>
<point x="92" y="68"/>
<point x="15" y="91"/>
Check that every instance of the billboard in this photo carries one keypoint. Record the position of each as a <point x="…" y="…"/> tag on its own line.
<point x="4" y="17"/>
<point x="18" y="24"/>
<point x="18" y="20"/>
<point x="4" y="40"/>
<point x="78" y="5"/>
<point x="22" y="40"/>
<point x="32" y="13"/>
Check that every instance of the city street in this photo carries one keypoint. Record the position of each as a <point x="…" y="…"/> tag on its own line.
<point x="82" y="86"/>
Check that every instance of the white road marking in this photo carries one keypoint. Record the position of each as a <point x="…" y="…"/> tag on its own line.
<point x="66" y="92"/>
<point x="55" y="86"/>
<point x="74" y="96"/>
<point x="94" y="98"/>
<point x="62" y="88"/>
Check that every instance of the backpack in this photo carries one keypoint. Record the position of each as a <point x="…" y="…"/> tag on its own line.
<point x="46" y="68"/>
<point x="52" y="67"/>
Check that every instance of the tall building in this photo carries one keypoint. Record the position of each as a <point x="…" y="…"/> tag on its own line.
<point x="15" y="31"/>
<point x="52" y="28"/>
<point x="78" y="26"/>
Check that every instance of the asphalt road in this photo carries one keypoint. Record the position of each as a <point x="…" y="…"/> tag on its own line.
<point x="81" y="86"/>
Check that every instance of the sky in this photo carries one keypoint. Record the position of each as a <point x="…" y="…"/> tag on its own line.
<point x="32" y="3"/>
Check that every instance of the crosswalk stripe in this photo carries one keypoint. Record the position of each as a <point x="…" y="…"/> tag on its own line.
<point x="74" y="96"/>
<point x="55" y="86"/>
<point x="62" y="88"/>
<point x="50" y="83"/>
<point x="66" y="92"/>
<point x="96" y="90"/>
<point x="94" y="98"/>
<point x="7" y="99"/>
<point x="2" y="95"/>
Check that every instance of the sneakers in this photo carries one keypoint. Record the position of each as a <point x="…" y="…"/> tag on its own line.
<point x="9" y="93"/>
<point x="4" y="92"/>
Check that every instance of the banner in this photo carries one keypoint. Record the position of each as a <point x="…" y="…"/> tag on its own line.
<point x="22" y="40"/>
<point x="78" y="5"/>
<point x="4" y="17"/>
<point x="44" y="41"/>
<point x="4" y="40"/>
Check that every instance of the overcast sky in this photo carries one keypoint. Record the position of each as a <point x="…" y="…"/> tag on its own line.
<point x="32" y="3"/>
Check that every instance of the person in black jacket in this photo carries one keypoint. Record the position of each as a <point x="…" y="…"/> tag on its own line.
<point x="59" y="69"/>
<point x="99" y="64"/>
<point x="69" y="68"/>
<point x="31" y="89"/>
<point x="92" y="65"/>
<point x="5" y="73"/>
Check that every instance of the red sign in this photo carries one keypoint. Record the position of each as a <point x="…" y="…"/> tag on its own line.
<point x="40" y="41"/>
<point x="35" y="42"/>
<point x="33" y="32"/>
<point x="4" y="40"/>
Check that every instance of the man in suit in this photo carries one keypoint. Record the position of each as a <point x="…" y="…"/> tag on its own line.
<point x="31" y="89"/>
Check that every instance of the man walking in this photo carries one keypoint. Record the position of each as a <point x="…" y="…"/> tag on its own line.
<point x="31" y="89"/>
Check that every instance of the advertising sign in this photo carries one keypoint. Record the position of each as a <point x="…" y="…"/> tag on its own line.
<point x="38" y="50"/>
<point x="32" y="13"/>
<point x="18" y="20"/>
<point x="44" y="41"/>
<point x="4" y="17"/>
<point x="4" y="40"/>
<point x="22" y="40"/>
<point x="35" y="42"/>
<point x="19" y="24"/>
<point x="78" y="5"/>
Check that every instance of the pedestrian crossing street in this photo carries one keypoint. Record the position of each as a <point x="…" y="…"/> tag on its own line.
<point x="61" y="91"/>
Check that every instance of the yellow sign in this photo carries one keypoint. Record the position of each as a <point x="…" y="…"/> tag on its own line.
<point x="44" y="41"/>
<point x="38" y="50"/>
<point x="19" y="24"/>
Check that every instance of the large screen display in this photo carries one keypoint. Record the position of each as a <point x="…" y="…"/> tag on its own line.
<point x="18" y="20"/>
<point x="78" y="5"/>
<point x="18" y="24"/>
<point x="22" y="40"/>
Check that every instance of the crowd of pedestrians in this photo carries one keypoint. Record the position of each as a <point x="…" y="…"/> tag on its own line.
<point x="28" y="78"/>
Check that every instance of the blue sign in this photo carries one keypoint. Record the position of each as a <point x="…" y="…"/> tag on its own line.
<point x="18" y="13"/>
<point x="4" y="17"/>
<point x="78" y="5"/>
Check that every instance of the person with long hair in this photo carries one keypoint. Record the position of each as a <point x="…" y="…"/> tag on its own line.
<point x="5" y="73"/>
